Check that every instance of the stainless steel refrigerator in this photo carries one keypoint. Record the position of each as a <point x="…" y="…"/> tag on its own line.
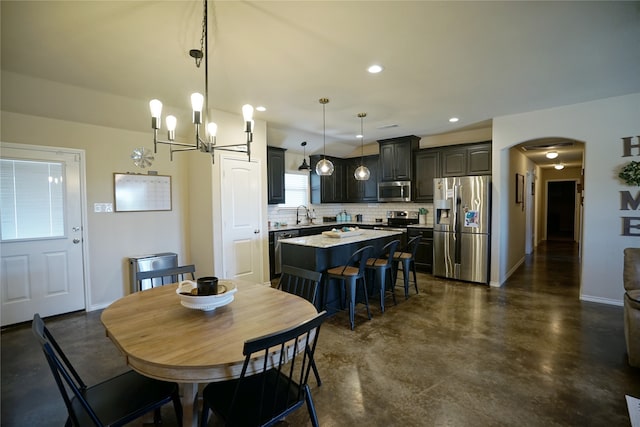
<point x="461" y="228"/>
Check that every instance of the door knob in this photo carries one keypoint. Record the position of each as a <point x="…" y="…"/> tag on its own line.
<point x="256" y="231"/>
<point x="76" y="241"/>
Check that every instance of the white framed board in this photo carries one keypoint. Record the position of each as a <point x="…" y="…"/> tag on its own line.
<point x="137" y="192"/>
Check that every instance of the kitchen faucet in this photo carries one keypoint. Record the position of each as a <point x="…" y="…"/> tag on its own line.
<point x="298" y="210"/>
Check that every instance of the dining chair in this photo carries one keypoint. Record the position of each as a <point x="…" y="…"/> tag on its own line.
<point x="381" y="267"/>
<point x="279" y="384"/>
<point x="114" y="402"/>
<point x="164" y="276"/>
<point x="349" y="274"/>
<point x="406" y="258"/>
<point x="303" y="283"/>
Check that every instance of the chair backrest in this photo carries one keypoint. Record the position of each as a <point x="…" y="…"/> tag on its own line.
<point x="358" y="259"/>
<point x="386" y="254"/>
<point x="63" y="372"/>
<point x="412" y="245"/>
<point x="301" y="282"/>
<point x="164" y="276"/>
<point x="284" y="358"/>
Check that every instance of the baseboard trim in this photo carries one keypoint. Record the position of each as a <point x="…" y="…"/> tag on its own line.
<point x="601" y="300"/>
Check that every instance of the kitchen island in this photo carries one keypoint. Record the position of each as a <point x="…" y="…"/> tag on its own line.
<point x="319" y="253"/>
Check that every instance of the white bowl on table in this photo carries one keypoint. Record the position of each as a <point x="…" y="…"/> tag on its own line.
<point x="226" y="291"/>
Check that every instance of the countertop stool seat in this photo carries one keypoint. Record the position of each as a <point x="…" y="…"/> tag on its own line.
<point x="349" y="275"/>
<point x="406" y="258"/>
<point x="382" y="269"/>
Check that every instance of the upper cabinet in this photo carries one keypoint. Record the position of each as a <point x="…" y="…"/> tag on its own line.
<point x="471" y="159"/>
<point x="275" y="172"/>
<point x="427" y="168"/>
<point x="362" y="191"/>
<point x="396" y="158"/>
<point x="331" y="188"/>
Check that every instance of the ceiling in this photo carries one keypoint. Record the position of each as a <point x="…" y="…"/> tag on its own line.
<point x="473" y="60"/>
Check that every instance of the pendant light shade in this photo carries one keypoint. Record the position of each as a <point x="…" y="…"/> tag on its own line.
<point x="324" y="167"/>
<point x="304" y="165"/>
<point x="362" y="173"/>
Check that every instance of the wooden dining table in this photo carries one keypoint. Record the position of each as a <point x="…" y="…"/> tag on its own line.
<point x="164" y="340"/>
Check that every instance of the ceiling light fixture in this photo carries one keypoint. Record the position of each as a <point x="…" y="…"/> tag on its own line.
<point x="551" y="154"/>
<point x="304" y="166"/>
<point x="453" y="119"/>
<point x="362" y="172"/>
<point x="558" y="166"/>
<point x="375" y="69"/>
<point x="324" y="167"/>
<point x="205" y="144"/>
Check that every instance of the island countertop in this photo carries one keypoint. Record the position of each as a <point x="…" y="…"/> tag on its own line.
<point x="320" y="241"/>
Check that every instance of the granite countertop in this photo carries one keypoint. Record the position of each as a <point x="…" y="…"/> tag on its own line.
<point x="320" y="241"/>
<point x="339" y="225"/>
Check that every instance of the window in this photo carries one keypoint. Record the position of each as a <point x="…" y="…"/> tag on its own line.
<point x="31" y="199"/>
<point x="296" y="191"/>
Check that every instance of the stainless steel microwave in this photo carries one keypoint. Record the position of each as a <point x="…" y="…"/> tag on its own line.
<point x="394" y="191"/>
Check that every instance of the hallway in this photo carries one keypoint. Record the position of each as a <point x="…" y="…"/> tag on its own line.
<point x="457" y="354"/>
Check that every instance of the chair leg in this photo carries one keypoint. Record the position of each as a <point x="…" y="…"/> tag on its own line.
<point x="177" y="407"/>
<point x="405" y="276"/>
<point x="315" y="372"/>
<point x="352" y="302"/>
<point x="415" y="280"/>
<point x="393" y="293"/>
<point x="380" y="278"/>
<point x="310" y="407"/>
<point x="157" y="417"/>
<point x="366" y="296"/>
<point x="205" y="414"/>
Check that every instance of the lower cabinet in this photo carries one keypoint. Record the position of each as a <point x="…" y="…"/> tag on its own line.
<point x="424" y="254"/>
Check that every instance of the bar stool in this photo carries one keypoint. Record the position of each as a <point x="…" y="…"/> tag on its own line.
<point x="380" y="266"/>
<point x="407" y="258"/>
<point x="349" y="274"/>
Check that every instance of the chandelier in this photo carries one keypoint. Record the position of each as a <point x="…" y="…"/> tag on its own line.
<point x="204" y="143"/>
<point x="362" y="173"/>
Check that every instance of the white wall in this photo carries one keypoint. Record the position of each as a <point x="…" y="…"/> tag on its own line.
<point x="600" y="125"/>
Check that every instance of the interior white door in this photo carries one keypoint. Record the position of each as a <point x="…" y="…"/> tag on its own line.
<point x="42" y="267"/>
<point x="241" y="218"/>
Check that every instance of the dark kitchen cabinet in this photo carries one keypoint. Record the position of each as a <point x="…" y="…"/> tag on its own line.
<point x="328" y="189"/>
<point x="427" y="167"/>
<point x="396" y="158"/>
<point x="275" y="173"/>
<point x="424" y="253"/>
<point x="362" y="191"/>
<point x="471" y="159"/>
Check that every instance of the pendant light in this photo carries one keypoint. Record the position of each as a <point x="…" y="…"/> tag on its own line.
<point x="362" y="173"/>
<point x="304" y="166"/>
<point x="324" y="167"/>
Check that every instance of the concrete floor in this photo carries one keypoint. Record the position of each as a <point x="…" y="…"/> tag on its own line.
<point x="457" y="354"/>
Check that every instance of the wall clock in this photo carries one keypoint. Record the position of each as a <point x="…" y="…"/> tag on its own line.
<point x="142" y="157"/>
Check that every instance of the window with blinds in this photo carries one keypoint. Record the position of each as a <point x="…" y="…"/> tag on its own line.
<point x="31" y="199"/>
<point x="296" y="190"/>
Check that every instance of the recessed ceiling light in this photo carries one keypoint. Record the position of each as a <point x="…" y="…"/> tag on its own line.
<point x="375" y="69"/>
<point x="359" y="136"/>
<point x="453" y="119"/>
<point x="552" y="154"/>
<point x="261" y="108"/>
<point x="558" y="166"/>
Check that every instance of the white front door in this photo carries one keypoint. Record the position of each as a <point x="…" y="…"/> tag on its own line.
<point x="241" y="218"/>
<point x="42" y="267"/>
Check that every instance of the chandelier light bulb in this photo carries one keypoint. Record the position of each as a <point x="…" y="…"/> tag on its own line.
<point x="247" y="112"/>
<point x="212" y="129"/>
<point x="171" y="123"/>
<point x="551" y="154"/>
<point x="197" y="101"/>
<point x="156" y="108"/>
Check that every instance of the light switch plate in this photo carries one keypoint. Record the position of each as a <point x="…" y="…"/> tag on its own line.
<point x="102" y="207"/>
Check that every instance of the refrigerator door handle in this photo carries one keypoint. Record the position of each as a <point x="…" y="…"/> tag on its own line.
<point x="457" y="228"/>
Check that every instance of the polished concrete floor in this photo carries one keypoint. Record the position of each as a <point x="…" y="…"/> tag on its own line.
<point x="457" y="354"/>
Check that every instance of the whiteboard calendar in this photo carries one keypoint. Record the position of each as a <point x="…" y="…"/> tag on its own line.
<point x="136" y="192"/>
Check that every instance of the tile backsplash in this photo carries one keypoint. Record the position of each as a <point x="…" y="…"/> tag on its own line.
<point x="369" y="211"/>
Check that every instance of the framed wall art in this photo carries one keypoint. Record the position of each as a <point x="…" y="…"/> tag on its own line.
<point x="519" y="188"/>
